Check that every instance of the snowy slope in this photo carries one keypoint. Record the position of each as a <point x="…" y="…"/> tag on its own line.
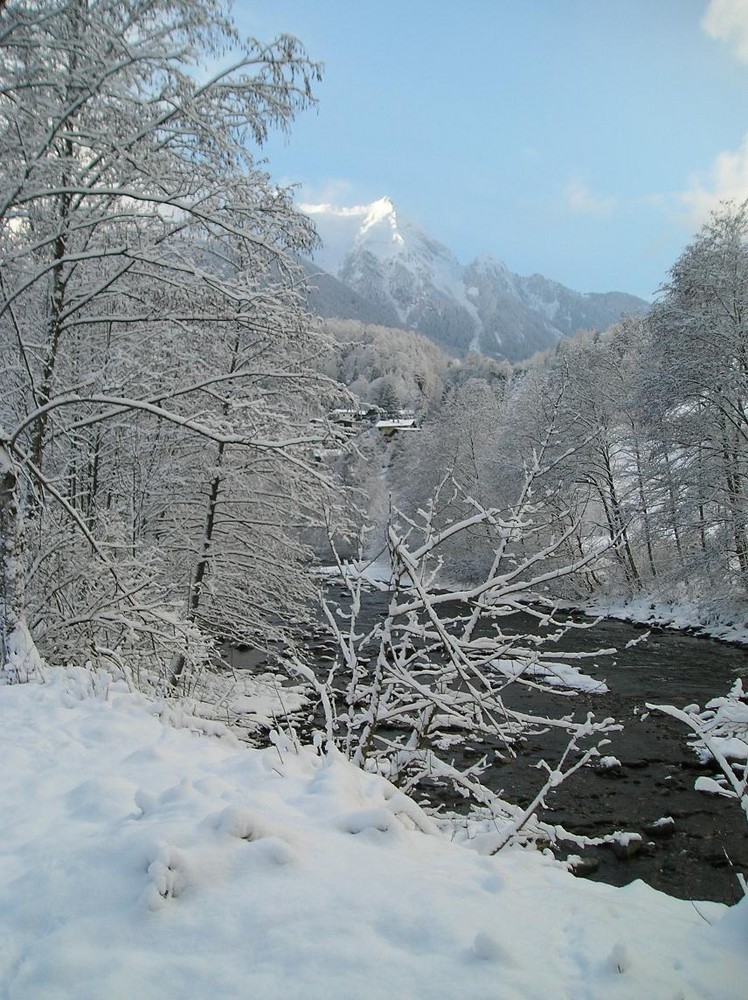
<point x="140" y="860"/>
<point x="389" y="261"/>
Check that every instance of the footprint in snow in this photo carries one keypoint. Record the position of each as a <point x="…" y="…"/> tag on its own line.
<point x="376" y="820"/>
<point x="168" y="872"/>
<point x="487" y="949"/>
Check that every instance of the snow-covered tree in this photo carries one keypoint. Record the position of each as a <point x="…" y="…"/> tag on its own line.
<point x="435" y="672"/>
<point x="460" y="438"/>
<point x="597" y="389"/>
<point x="367" y="358"/>
<point x="697" y="390"/>
<point x="154" y="421"/>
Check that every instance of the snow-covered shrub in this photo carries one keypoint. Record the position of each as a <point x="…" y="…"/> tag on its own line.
<point x="404" y="698"/>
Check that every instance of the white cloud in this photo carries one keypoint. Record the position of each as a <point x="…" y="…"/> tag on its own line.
<point x="331" y="191"/>
<point x="727" y="20"/>
<point x="580" y="200"/>
<point x="726" y="181"/>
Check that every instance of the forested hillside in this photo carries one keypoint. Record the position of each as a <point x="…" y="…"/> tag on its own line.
<point x="643" y="427"/>
<point x="646" y="429"/>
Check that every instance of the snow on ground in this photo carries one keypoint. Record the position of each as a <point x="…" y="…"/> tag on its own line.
<point x="684" y="615"/>
<point x="247" y="700"/>
<point x="140" y="859"/>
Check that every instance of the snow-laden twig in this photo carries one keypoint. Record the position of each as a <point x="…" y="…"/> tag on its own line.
<point x="722" y="719"/>
<point x="434" y="672"/>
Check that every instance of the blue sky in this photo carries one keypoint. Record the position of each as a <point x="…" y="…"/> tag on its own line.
<point x="583" y="139"/>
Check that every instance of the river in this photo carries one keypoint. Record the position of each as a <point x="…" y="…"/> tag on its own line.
<point x="709" y="840"/>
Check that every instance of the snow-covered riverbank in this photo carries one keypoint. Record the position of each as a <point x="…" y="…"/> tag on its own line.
<point x="727" y="624"/>
<point x="140" y="859"/>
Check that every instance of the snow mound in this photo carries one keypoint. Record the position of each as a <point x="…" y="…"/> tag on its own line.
<point x="143" y="860"/>
<point x="560" y="675"/>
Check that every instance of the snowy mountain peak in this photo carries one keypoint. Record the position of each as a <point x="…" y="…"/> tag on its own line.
<point x="379" y="232"/>
<point x="378" y="211"/>
<point x="388" y="259"/>
<point x="345" y="228"/>
<point x="486" y="263"/>
<point x="403" y="273"/>
<point x="377" y="228"/>
<point x="337" y="226"/>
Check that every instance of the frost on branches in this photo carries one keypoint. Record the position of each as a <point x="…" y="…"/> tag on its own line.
<point x="156" y="389"/>
<point x="405" y="697"/>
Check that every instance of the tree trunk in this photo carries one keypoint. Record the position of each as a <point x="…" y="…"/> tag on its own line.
<point x="18" y="655"/>
<point x="645" y="509"/>
<point x="735" y="498"/>
<point x="617" y="523"/>
<point x="673" y="506"/>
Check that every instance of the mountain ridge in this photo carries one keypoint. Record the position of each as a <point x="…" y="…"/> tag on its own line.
<point x="393" y="269"/>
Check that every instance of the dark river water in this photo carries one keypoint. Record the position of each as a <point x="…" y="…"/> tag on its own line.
<point x="709" y="840"/>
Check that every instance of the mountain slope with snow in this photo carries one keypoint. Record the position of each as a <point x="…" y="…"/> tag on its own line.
<point x="399" y="270"/>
